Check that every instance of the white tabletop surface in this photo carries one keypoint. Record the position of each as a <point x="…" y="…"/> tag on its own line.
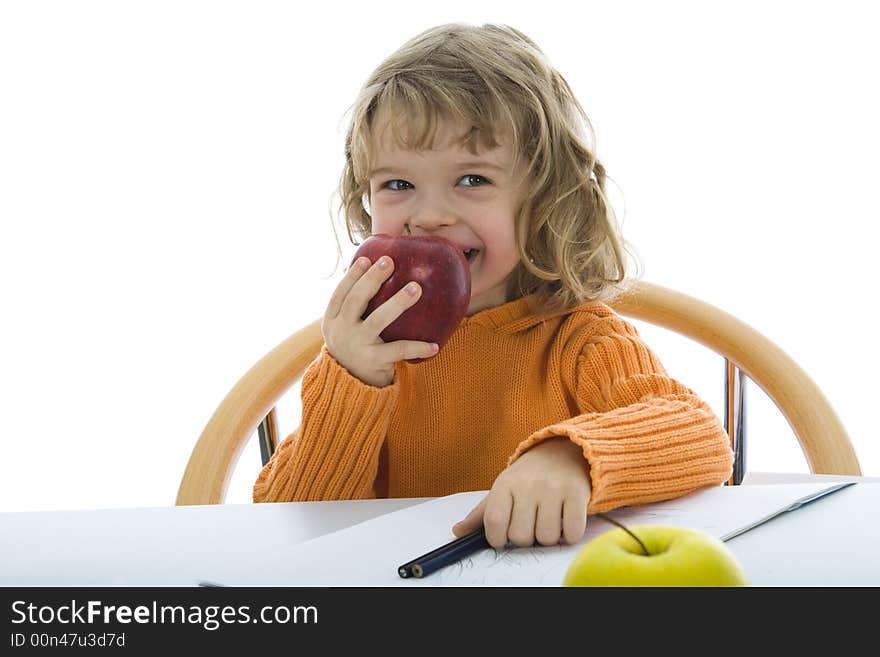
<point x="831" y="544"/>
<point x="162" y="546"/>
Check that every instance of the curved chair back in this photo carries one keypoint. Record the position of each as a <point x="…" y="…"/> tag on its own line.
<point x="819" y="431"/>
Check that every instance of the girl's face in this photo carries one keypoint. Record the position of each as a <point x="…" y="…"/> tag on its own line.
<point x="448" y="192"/>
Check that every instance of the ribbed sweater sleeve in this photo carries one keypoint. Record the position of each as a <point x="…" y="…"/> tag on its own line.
<point x="334" y="453"/>
<point x="645" y="436"/>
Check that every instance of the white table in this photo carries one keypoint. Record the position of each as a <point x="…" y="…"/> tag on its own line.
<point x="834" y="543"/>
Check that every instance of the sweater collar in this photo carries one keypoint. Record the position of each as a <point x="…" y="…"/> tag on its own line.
<point x="518" y="315"/>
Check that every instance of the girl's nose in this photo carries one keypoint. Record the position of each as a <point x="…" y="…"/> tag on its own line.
<point x="429" y="220"/>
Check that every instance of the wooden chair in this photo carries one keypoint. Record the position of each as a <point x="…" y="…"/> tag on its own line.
<point x="250" y="405"/>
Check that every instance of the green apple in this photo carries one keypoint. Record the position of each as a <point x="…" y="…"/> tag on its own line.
<point x="677" y="556"/>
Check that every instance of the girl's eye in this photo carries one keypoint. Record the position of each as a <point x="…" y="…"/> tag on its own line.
<point x="390" y="184"/>
<point x="479" y="178"/>
<point x="397" y="185"/>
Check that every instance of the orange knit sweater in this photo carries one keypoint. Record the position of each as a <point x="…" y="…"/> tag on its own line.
<point x="507" y="379"/>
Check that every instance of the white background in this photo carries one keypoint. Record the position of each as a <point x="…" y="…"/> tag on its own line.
<point x="166" y="181"/>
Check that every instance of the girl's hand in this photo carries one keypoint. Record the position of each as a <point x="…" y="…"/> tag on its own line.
<point x="541" y="496"/>
<point x="356" y="344"/>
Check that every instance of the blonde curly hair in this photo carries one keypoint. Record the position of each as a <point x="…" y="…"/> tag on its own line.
<point x="496" y="80"/>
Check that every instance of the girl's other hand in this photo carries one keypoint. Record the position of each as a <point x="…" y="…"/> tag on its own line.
<point x="541" y="497"/>
<point x="355" y="343"/>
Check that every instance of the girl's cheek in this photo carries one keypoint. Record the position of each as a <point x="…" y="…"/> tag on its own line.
<point x="389" y="219"/>
<point x="384" y="224"/>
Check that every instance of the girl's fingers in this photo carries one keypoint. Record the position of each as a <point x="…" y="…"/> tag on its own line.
<point x="357" y="269"/>
<point x="548" y="522"/>
<point x="496" y="517"/>
<point x="365" y="288"/>
<point x="472" y="521"/>
<point x="522" y="522"/>
<point x="403" y="299"/>
<point x="574" y="519"/>
<point x="392" y="352"/>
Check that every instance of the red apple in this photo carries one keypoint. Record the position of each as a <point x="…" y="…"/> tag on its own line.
<point x="439" y="266"/>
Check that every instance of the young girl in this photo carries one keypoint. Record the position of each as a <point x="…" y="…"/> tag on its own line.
<point x="542" y="395"/>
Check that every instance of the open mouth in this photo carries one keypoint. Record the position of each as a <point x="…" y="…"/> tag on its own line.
<point x="471" y="254"/>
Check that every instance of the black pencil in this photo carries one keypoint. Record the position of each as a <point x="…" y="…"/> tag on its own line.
<point x="445" y="555"/>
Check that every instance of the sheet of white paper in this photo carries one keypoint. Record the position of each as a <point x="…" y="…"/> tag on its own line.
<point x="369" y="553"/>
